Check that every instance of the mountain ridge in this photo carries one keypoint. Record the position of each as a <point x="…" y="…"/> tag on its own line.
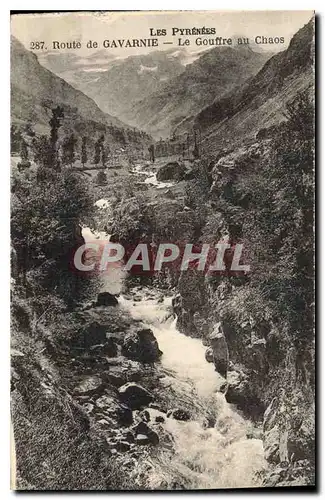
<point x="260" y="102"/>
<point x="34" y="89"/>
<point x="210" y="76"/>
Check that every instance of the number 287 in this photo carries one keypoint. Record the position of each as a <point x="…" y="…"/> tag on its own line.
<point x="36" y="45"/>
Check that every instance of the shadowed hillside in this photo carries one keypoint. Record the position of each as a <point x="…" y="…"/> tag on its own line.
<point x="260" y="102"/>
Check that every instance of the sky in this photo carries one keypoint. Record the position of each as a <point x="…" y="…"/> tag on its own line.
<point x="100" y="26"/>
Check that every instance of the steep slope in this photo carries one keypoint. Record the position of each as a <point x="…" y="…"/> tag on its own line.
<point x="211" y="76"/>
<point x="260" y="103"/>
<point x="35" y="90"/>
<point x="115" y="83"/>
<point x="129" y="80"/>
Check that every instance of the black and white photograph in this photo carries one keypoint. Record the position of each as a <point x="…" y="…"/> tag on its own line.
<point x="162" y="228"/>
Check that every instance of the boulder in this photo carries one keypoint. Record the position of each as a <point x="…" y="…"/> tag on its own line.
<point x="104" y="423"/>
<point x="142" y="429"/>
<point x="111" y="443"/>
<point x="90" y="385"/>
<point x="142" y="439"/>
<point x="114" y="379"/>
<point x="88" y="407"/>
<point x="219" y="349"/>
<point x="172" y="171"/>
<point x="145" y="415"/>
<point x="160" y="419"/>
<point x="93" y="334"/>
<point x="122" y="446"/>
<point x="109" y="348"/>
<point x="129" y="371"/>
<point x="105" y="402"/>
<point x="240" y="392"/>
<point x="272" y="445"/>
<point x="128" y="437"/>
<point x="209" y="355"/>
<point x="189" y="174"/>
<point x="106" y="299"/>
<point x="134" y="395"/>
<point x="209" y="422"/>
<point x="223" y="387"/>
<point x="179" y="414"/>
<point x="141" y="346"/>
<point x="124" y="415"/>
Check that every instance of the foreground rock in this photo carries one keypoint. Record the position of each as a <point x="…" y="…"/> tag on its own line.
<point x="135" y="396"/>
<point x="219" y="350"/>
<point x="179" y="414"/>
<point x="209" y="355"/>
<point x="145" y="435"/>
<point x="172" y="171"/>
<point x="106" y="299"/>
<point x="89" y="386"/>
<point x="239" y="392"/>
<point x="141" y="346"/>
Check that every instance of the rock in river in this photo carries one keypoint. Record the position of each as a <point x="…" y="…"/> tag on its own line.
<point x="145" y="435"/>
<point x="90" y="385"/>
<point x="141" y="346"/>
<point x="179" y="414"/>
<point x="134" y="395"/>
<point x="209" y="355"/>
<point x="106" y="299"/>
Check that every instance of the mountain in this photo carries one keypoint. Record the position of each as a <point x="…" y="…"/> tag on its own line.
<point x="212" y="75"/>
<point x="116" y="84"/>
<point x="261" y="101"/>
<point x="35" y="90"/>
<point x="76" y="69"/>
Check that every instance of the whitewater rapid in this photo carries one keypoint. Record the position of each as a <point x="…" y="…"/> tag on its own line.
<point x="204" y="457"/>
<point x="212" y="449"/>
<point x="151" y="177"/>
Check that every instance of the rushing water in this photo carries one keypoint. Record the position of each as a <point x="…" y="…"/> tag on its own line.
<point x="151" y="177"/>
<point x="204" y="458"/>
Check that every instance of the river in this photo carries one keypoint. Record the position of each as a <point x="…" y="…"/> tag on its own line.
<point x="212" y="449"/>
<point x="203" y="457"/>
<point x="217" y="457"/>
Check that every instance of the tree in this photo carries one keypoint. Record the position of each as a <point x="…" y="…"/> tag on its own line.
<point x="45" y="229"/>
<point x="55" y="123"/>
<point x="29" y="130"/>
<point x="104" y="157"/>
<point x="24" y="163"/>
<point x="98" y="149"/>
<point x="68" y="150"/>
<point x="196" y="152"/>
<point x="151" y="150"/>
<point x="15" y="138"/>
<point x="42" y="152"/>
<point x="101" y="178"/>
<point x="84" y="156"/>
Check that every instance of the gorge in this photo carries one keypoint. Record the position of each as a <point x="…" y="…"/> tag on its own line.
<point x="115" y="384"/>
